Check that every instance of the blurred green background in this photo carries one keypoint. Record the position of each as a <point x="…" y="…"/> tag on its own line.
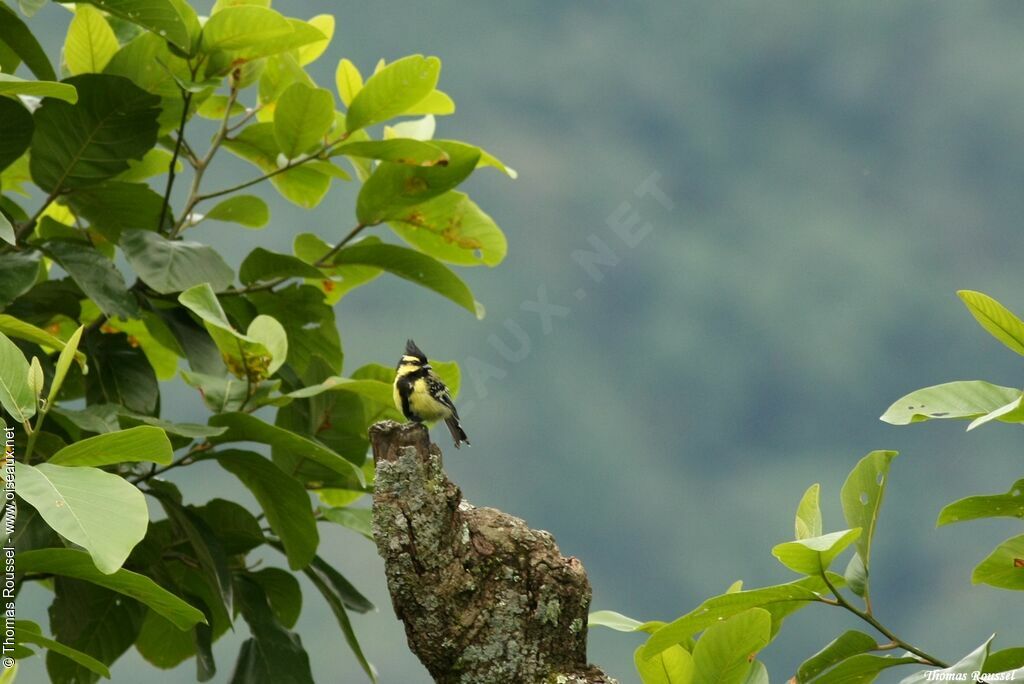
<point x="837" y="170"/>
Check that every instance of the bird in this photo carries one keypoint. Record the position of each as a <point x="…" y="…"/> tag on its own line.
<point x="421" y="396"/>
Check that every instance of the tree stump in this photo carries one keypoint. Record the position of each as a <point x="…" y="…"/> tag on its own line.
<point x="484" y="598"/>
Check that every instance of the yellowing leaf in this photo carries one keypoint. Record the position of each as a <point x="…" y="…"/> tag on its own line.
<point x="90" y="42"/>
<point x="349" y="81"/>
<point x="312" y="51"/>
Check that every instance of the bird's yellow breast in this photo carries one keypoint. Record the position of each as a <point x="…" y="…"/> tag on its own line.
<point x="424" y="405"/>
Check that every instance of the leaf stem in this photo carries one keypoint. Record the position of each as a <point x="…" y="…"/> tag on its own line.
<point x="187" y="100"/>
<point x="871" y="620"/>
<point x="184" y="459"/>
<point x="27" y="227"/>
<point x="322" y="261"/>
<point x="202" y="164"/>
<point x="319" y="155"/>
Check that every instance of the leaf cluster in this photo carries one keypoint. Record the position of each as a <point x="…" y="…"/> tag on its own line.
<point x="103" y="165"/>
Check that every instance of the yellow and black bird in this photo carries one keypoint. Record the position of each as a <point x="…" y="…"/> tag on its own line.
<point x="421" y="396"/>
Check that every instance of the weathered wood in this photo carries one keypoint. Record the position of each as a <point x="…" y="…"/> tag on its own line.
<point x="484" y="598"/>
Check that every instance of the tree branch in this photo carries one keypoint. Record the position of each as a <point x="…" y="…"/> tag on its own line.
<point x="484" y="598"/>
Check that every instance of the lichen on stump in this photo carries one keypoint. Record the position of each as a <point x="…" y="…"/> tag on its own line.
<point x="484" y="598"/>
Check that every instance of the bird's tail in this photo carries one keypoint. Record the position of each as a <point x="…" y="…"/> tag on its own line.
<point x="458" y="434"/>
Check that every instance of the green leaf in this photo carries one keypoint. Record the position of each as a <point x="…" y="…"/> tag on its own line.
<point x="724" y="653"/>
<point x="808" y="514"/>
<point x="328" y="589"/>
<point x="961" y="399"/>
<point x="1009" y="505"/>
<point x="758" y="673"/>
<point x="348" y="81"/>
<point x="236" y="528"/>
<point x="82" y="144"/>
<point x="216" y="106"/>
<point x="121" y="374"/>
<point x="20" y="272"/>
<point x="101" y="512"/>
<point x="77" y="564"/>
<point x="14" y="327"/>
<point x="967" y="665"/>
<point x="452" y="228"/>
<point x="170" y="266"/>
<point x="613" y="620"/>
<point x="206" y="546"/>
<point x="96" y="275"/>
<point x="412" y="266"/>
<point x="300" y="185"/>
<point x="15" y="394"/>
<point x="221" y="394"/>
<point x="861" y="669"/>
<point x="783" y="597"/>
<point x="262" y="265"/>
<point x="343" y="279"/>
<point x="999" y="321"/>
<point x="27" y="632"/>
<point x="1005" y="660"/>
<point x="392" y="188"/>
<point x="6" y="229"/>
<point x="273" y="654"/>
<point x="674" y="665"/>
<point x="812" y="556"/>
<point x="243" y="27"/>
<point x="374" y="390"/>
<point x="18" y="128"/>
<point x="313" y="333"/>
<point x="311" y="52"/>
<point x="396" y="150"/>
<point x="12" y="85"/>
<point x="436" y="102"/>
<point x="1012" y="412"/>
<point x="90" y="619"/>
<point x="283" y="593"/>
<point x="67" y="355"/>
<point x="283" y="499"/>
<point x="156" y="162"/>
<point x="393" y="90"/>
<point x="1004" y="567"/>
<point x="243" y="427"/>
<point x="35" y="378"/>
<point x="856" y="575"/>
<point x="861" y="496"/>
<point x="247" y="210"/>
<point x="114" y="207"/>
<point x="302" y="117"/>
<point x="356" y="519"/>
<point x="151" y="335"/>
<point x="846" y="645"/>
<point x="257" y="354"/>
<point x="90" y="42"/>
<point x="143" y="443"/>
<point x="172" y="20"/>
<point x="18" y="37"/>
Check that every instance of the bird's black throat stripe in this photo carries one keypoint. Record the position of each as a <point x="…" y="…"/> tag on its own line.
<point x="405" y="384"/>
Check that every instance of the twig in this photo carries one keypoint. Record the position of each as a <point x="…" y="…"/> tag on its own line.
<point x="202" y="164"/>
<point x="187" y="99"/>
<point x="322" y="261"/>
<point x="871" y="620"/>
<point x="323" y="152"/>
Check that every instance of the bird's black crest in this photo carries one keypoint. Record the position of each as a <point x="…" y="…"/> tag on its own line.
<point x="412" y="350"/>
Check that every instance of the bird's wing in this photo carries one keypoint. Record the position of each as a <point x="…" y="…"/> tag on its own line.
<point x="440" y="392"/>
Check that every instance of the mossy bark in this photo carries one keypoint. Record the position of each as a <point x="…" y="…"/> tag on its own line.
<point x="484" y="598"/>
